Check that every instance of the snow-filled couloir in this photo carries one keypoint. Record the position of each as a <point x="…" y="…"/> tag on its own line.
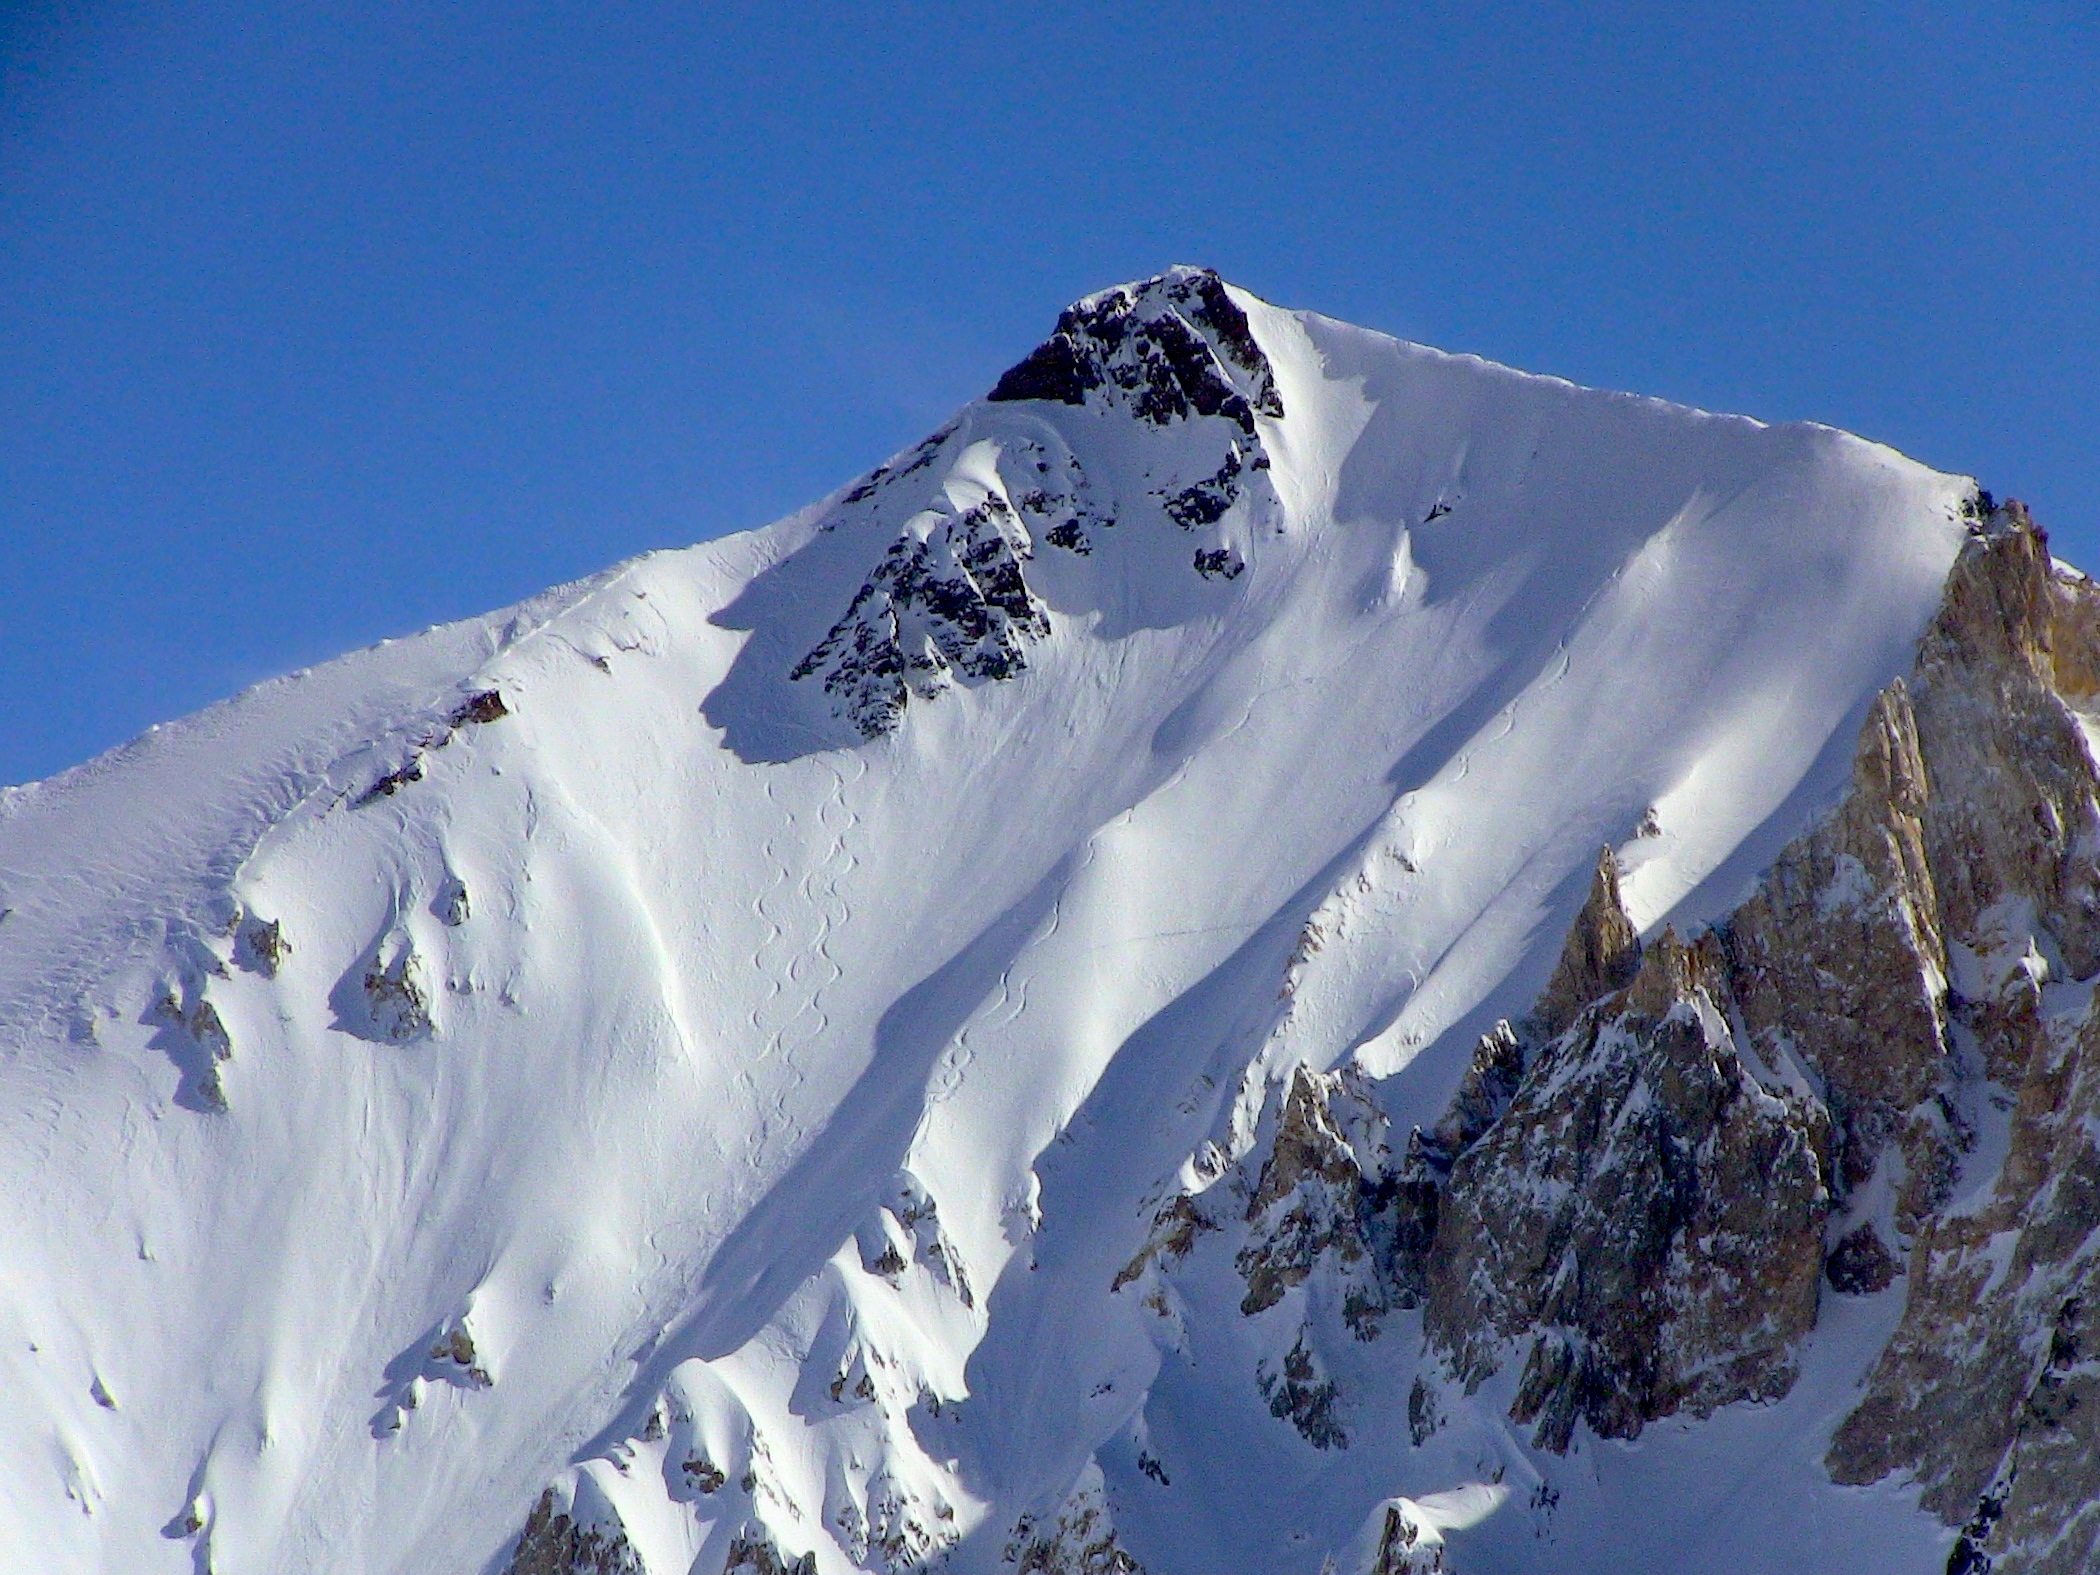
<point x="720" y="1066"/>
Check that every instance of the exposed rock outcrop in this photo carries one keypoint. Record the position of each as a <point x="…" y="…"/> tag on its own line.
<point x="1207" y="501"/>
<point x="1080" y="1539"/>
<point x="1600" y="955"/>
<point x="1632" y="1202"/>
<point x="201" y="1022"/>
<point x="454" y="1358"/>
<point x="1176" y="1226"/>
<point x="1981" y="1395"/>
<point x="1897" y="1027"/>
<point x="950" y="603"/>
<point x="452" y="904"/>
<point x="199" y="1044"/>
<point x="556" y="1543"/>
<point x="483" y="706"/>
<point x="396" y="996"/>
<point x="1311" y="1191"/>
<point x="906" y="1231"/>
<point x="1405" y="1546"/>
<point x="1647" y="1214"/>
<point x="1300" y="1392"/>
<point x="753" y="1553"/>
<point x="260" y="946"/>
<point x="1166" y="349"/>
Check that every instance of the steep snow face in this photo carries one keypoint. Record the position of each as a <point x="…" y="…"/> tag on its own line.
<point x="712" y="1039"/>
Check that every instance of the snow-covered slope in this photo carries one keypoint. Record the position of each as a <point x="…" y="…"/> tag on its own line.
<point x="712" y="1039"/>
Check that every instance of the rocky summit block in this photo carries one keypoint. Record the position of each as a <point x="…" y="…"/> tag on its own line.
<point x="1165" y="349"/>
<point x="949" y="599"/>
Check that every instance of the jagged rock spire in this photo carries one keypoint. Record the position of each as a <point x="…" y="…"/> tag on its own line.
<point x="1602" y="953"/>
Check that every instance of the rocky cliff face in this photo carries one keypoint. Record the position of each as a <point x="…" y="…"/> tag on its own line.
<point x="1993" y="1168"/>
<point x="1646" y="1216"/>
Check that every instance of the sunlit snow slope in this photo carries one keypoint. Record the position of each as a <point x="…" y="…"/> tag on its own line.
<point x="568" y="1039"/>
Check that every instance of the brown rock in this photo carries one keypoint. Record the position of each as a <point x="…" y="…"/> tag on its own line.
<point x="1860" y="1264"/>
<point x="554" y="1544"/>
<point x="1600" y="955"/>
<point x="1308" y="1199"/>
<point x="1647" y="1213"/>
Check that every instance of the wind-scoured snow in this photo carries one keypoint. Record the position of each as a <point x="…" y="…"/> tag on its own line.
<point x="725" y="1067"/>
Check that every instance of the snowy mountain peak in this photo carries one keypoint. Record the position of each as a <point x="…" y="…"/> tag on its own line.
<point x="1139" y="412"/>
<point x="938" y="1033"/>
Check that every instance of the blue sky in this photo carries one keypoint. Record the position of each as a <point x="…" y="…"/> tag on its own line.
<point x="320" y="322"/>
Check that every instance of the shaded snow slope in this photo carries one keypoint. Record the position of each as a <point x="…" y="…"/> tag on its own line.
<point x="761" y="1035"/>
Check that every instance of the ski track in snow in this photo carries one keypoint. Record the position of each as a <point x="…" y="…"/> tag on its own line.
<point x="1008" y="1006"/>
<point x="790" y="1018"/>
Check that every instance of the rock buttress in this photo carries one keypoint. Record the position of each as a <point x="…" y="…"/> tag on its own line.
<point x="1647" y="1215"/>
